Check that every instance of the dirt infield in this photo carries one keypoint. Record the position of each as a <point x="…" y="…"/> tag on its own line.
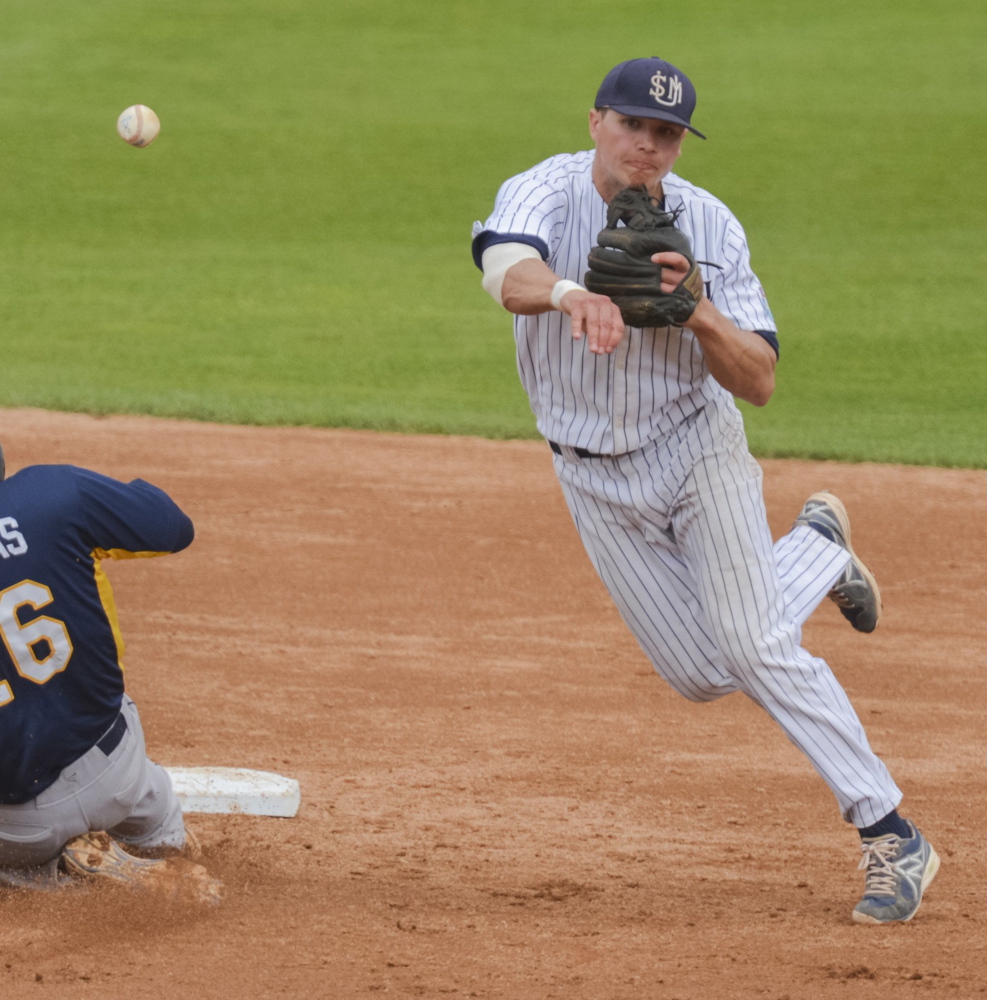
<point x="499" y="797"/>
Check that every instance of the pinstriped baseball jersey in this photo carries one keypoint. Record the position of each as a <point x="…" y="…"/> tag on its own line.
<point x="655" y="378"/>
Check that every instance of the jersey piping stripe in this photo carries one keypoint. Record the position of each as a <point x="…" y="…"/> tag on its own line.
<point x="105" y="590"/>
<point x="125" y="554"/>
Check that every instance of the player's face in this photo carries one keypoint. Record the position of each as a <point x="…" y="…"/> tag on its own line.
<point x="632" y="151"/>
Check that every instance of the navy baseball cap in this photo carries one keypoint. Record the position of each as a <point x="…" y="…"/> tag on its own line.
<point x="649" y="88"/>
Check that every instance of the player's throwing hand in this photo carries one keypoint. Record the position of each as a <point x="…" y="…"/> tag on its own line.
<point x="597" y="317"/>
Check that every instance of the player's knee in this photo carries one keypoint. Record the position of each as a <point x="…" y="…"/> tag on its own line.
<point x="699" y="688"/>
<point x="702" y="696"/>
<point x="760" y="660"/>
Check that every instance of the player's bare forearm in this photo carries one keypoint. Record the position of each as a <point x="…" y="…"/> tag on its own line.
<point x="528" y="288"/>
<point x="741" y="361"/>
<point x="527" y="291"/>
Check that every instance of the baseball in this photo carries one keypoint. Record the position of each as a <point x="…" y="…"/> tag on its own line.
<point x="138" y="125"/>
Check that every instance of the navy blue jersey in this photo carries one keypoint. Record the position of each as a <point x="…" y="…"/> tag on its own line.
<point x="61" y="672"/>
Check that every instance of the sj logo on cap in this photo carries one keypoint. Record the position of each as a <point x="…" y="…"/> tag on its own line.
<point x="667" y="89"/>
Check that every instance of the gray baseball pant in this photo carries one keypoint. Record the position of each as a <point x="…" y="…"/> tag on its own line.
<point x="121" y="792"/>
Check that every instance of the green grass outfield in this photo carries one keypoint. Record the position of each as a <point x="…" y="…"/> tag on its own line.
<point x="294" y="248"/>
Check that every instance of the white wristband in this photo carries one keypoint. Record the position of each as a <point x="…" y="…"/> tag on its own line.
<point x="561" y="287"/>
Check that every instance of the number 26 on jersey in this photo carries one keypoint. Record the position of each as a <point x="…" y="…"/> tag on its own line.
<point x="39" y="648"/>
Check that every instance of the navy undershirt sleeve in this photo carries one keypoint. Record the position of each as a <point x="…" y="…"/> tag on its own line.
<point x="489" y="239"/>
<point x="772" y="338"/>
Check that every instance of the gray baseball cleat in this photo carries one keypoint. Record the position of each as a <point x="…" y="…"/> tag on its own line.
<point x="898" y="872"/>
<point x="855" y="593"/>
<point x="98" y="854"/>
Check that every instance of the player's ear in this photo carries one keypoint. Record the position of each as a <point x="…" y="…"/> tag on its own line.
<point x="595" y="117"/>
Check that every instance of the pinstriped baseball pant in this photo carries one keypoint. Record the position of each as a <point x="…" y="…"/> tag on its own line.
<point x="678" y="534"/>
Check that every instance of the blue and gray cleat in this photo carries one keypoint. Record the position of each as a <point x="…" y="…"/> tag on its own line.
<point x="898" y="872"/>
<point x="855" y="593"/>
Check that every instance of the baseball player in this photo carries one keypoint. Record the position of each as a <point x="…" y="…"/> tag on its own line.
<point x="72" y="758"/>
<point x="650" y="451"/>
